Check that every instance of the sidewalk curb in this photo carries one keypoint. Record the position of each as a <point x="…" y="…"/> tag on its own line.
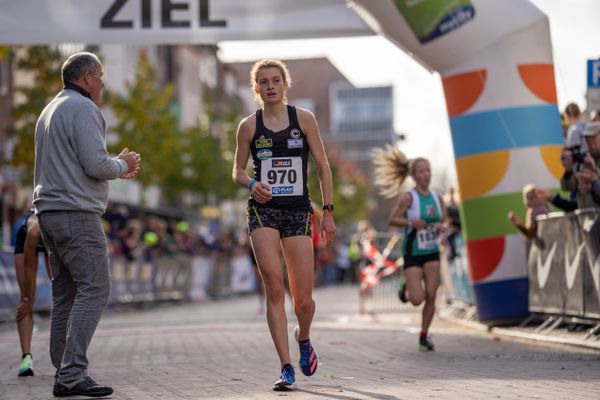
<point x="519" y="334"/>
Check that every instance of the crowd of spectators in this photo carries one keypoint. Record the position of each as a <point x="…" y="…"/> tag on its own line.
<point x="223" y="257"/>
<point x="580" y="159"/>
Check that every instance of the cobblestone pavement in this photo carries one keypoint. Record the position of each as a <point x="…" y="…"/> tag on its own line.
<point x="222" y="350"/>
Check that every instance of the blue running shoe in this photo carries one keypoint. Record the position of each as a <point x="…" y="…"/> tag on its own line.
<point x="308" y="358"/>
<point x="287" y="381"/>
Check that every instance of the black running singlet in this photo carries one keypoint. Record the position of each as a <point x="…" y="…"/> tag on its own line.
<point x="280" y="159"/>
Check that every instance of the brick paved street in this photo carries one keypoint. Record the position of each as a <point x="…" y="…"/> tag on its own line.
<point x="222" y="350"/>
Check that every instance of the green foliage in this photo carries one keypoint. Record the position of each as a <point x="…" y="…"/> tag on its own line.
<point x="146" y="124"/>
<point x="350" y="193"/>
<point x="42" y="64"/>
<point x="175" y="159"/>
<point x="228" y="124"/>
<point x="5" y="51"/>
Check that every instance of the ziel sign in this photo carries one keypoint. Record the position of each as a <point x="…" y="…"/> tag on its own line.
<point x="166" y="10"/>
<point x="173" y="21"/>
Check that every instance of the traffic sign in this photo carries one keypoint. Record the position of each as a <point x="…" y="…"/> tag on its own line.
<point x="593" y="73"/>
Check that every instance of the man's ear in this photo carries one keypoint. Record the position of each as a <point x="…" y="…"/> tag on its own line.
<point x="87" y="77"/>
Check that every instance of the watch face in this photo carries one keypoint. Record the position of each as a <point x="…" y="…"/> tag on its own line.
<point x="328" y="207"/>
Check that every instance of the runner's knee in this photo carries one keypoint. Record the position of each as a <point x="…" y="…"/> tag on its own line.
<point x="275" y="294"/>
<point x="415" y="300"/>
<point x="303" y="305"/>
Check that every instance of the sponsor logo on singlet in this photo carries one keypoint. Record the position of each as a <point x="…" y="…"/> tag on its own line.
<point x="262" y="143"/>
<point x="264" y="154"/>
<point x="282" y="163"/>
<point x="282" y="190"/>
<point x="295" y="133"/>
<point x="295" y="143"/>
<point x="430" y="211"/>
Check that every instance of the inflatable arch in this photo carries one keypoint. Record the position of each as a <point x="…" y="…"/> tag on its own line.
<point x="495" y="61"/>
<point x="498" y="78"/>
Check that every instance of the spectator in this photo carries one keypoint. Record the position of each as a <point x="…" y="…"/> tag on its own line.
<point x="587" y="178"/>
<point x="574" y="140"/>
<point x="570" y="204"/>
<point x="453" y="223"/>
<point x="535" y="206"/>
<point x="72" y="169"/>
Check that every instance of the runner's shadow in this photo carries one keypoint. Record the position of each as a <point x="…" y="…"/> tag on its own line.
<point x="370" y="395"/>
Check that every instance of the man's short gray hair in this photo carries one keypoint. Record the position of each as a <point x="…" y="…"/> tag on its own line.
<point x="78" y="64"/>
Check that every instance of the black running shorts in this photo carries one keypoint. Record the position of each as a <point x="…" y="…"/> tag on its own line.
<point x="419" y="261"/>
<point x="287" y="222"/>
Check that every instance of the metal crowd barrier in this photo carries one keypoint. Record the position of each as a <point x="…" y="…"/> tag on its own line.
<point x="177" y="277"/>
<point x="381" y="270"/>
<point x="564" y="265"/>
<point x="165" y="278"/>
<point x="9" y="288"/>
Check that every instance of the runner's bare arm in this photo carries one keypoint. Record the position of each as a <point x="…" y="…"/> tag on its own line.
<point x="260" y="192"/>
<point x="242" y="152"/>
<point x="309" y="126"/>
<point x="397" y="217"/>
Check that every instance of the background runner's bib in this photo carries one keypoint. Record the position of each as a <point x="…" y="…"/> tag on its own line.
<point x="427" y="238"/>
<point x="422" y="241"/>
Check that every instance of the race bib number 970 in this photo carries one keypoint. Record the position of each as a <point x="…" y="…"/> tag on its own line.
<point x="284" y="175"/>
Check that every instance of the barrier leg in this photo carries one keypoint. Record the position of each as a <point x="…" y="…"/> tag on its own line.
<point x="555" y="325"/>
<point x="592" y="331"/>
<point x="544" y="324"/>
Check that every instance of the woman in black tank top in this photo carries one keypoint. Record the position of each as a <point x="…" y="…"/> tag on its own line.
<point x="279" y="138"/>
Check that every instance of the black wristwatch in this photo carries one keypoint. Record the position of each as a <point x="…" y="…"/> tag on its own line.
<point x="27" y="299"/>
<point x="328" y="207"/>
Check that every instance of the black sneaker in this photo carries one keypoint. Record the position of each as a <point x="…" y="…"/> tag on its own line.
<point x="402" y="291"/>
<point x="425" y="344"/>
<point x="85" y="387"/>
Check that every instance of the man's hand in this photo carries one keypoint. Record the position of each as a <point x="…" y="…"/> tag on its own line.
<point x="25" y="308"/>
<point x="133" y="163"/>
<point x="130" y="175"/>
<point x="588" y="162"/>
<point x="327" y="228"/>
<point x="585" y="179"/>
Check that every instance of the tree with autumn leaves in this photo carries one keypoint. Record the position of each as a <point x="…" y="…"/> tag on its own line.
<point x="42" y="65"/>
<point x="178" y="160"/>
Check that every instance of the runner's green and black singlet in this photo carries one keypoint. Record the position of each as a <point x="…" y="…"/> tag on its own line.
<point x="281" y="159"/>
<point x="422" y="241"/>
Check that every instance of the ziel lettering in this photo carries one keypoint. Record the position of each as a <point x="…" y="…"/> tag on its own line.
<point x="167" y="7"/>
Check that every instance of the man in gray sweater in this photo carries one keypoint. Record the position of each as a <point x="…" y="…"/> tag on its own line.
<point x="72" y="169"/>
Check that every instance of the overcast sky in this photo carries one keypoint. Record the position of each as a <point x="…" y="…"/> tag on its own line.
<point x="420" y="111"/>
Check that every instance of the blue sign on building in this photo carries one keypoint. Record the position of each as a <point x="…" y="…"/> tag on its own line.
<point x="593" y="67"/>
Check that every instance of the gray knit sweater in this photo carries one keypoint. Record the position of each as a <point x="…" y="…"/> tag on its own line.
<point x="72" y="166"/>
